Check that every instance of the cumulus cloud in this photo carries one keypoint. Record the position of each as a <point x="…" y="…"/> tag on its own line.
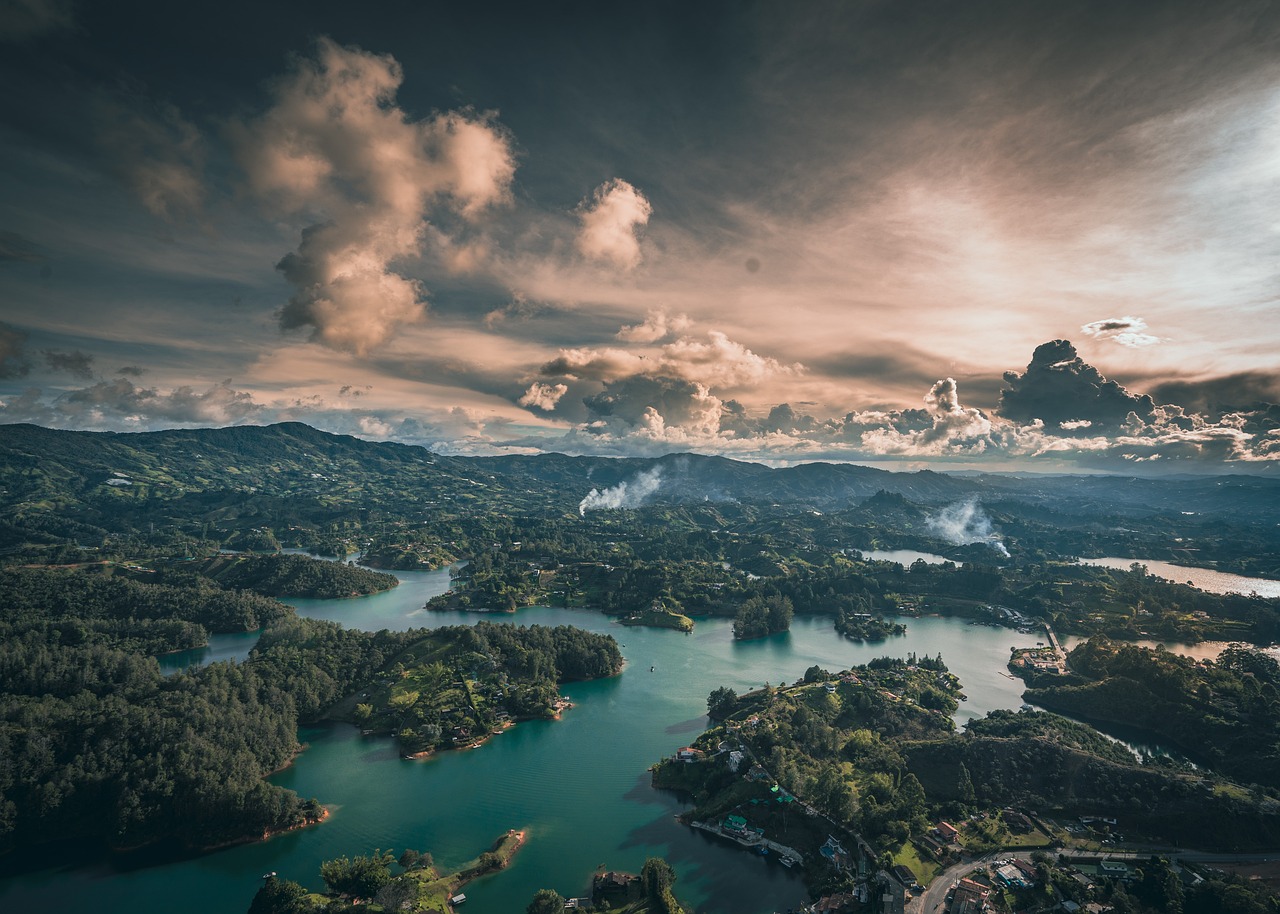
<point x="131" y="371"/>
<point x="655" y="407"/>
<point x="1127" y="331"/>
<point x="953" y="429"/>
<point x="76" y="363"/>
<point x="119" y="403"/>
<point x="1059" y="387"/>
<point x="336" y="145"/>
<point x="657" y="325"/>
<point x="611" y="222"/>
<point x="13" y="362"/>
<point x="713" y="361"/>
<point x="543" y="396"/>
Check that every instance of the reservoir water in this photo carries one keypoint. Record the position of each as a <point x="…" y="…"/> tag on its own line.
<point x="580" y="786"/>
<point x="1205" y="579"/>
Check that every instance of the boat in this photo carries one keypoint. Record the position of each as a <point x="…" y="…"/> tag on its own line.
<point x="652" y="668"/>
<point x="762" y="850"/>
<point x="788" y="862"/>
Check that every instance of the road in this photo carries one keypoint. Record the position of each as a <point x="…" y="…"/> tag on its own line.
<point x="934" y="897"/>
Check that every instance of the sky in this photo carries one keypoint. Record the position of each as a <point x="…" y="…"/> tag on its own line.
<point x="1001" y="235"/>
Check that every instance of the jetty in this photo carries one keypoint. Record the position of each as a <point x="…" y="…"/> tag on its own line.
<point x="751" y="839"/>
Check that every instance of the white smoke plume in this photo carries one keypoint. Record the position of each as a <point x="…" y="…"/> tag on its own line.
<point x="625" y="494"/>
<point x="965" y="522"/>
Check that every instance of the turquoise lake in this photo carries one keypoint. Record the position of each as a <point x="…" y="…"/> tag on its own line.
<point x="579" y="786"/>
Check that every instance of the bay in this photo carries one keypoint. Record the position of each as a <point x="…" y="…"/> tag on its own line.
<point x="579" y="786"/>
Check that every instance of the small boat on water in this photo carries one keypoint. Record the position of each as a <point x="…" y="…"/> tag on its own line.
<point x="788" y="862"/>
<point x="652" y="668"/>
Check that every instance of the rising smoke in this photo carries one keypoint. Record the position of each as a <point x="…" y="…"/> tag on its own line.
<point x="625" y="494"/>
<point x="966" y="522"/>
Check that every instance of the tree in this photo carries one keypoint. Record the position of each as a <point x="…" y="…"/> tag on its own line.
<point x="359" y="878"/>
<point x="721" y="703"/>
<point x="547" y="901"/>
<point x="279" y="896"/>
<point x="964" y="786"/>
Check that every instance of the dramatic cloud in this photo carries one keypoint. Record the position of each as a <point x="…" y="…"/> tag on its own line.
<point x="157" y="153"/>
<point x="543" y="396"/>
<point x="1228" y="393"/>
<point x="78" y="364"/>
<point x="335" y="144"/>
<point x="965" y="522"/>
<point x="1127" y="331"/>
<point x="657" y="325"/>
<point x="626" y="494"/>
<point x="13" y="362"/>
<point x="954" y="429"/>
<point x="1059" y="387"/>
<point x="611" y="222"/>
<point x="655" y="407"/>
<point x="713" y="361"/>
<point x="120" y="404"/>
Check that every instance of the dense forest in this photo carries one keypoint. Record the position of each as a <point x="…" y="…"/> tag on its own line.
<point x="875" y="751"/>
<point x="99" y="745"/>
<point x="1223" y="713"/>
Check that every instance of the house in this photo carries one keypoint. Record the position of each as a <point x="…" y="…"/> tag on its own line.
<point x="689" y="754"/>
<point x="1011" y="876"/>
<point x="613" y="886"/>
<point x="736" y="759"/>
<point x="1113" y="868"/>
<point x="969" y="898"/>
<point x="933" y="846"/>
<point x="457" y="899"/>
<point x="946" y="831"/>
<point x="834" y="904"/>
<point x="1017" y="822"/>
<point x="904" y="875"/>
<point x="1028" y="871"/>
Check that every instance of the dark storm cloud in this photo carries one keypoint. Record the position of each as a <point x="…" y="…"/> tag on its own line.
<point x="1059" y="387"/>
<point x="13" y="362"/>
<point x="131" y="371"/>
<point x="1246" y="390"/>
<point x="76" y="363"/>
<point x="15" y="247"/>
<point x="643" y="400"/>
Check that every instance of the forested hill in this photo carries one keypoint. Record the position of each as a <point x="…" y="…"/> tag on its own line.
<point x="213" y="468"/>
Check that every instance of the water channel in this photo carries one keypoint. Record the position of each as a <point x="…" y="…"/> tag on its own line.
<point x="579" y="785"/>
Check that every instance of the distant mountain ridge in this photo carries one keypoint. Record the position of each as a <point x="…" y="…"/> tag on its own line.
<point x="40" y="465"/>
